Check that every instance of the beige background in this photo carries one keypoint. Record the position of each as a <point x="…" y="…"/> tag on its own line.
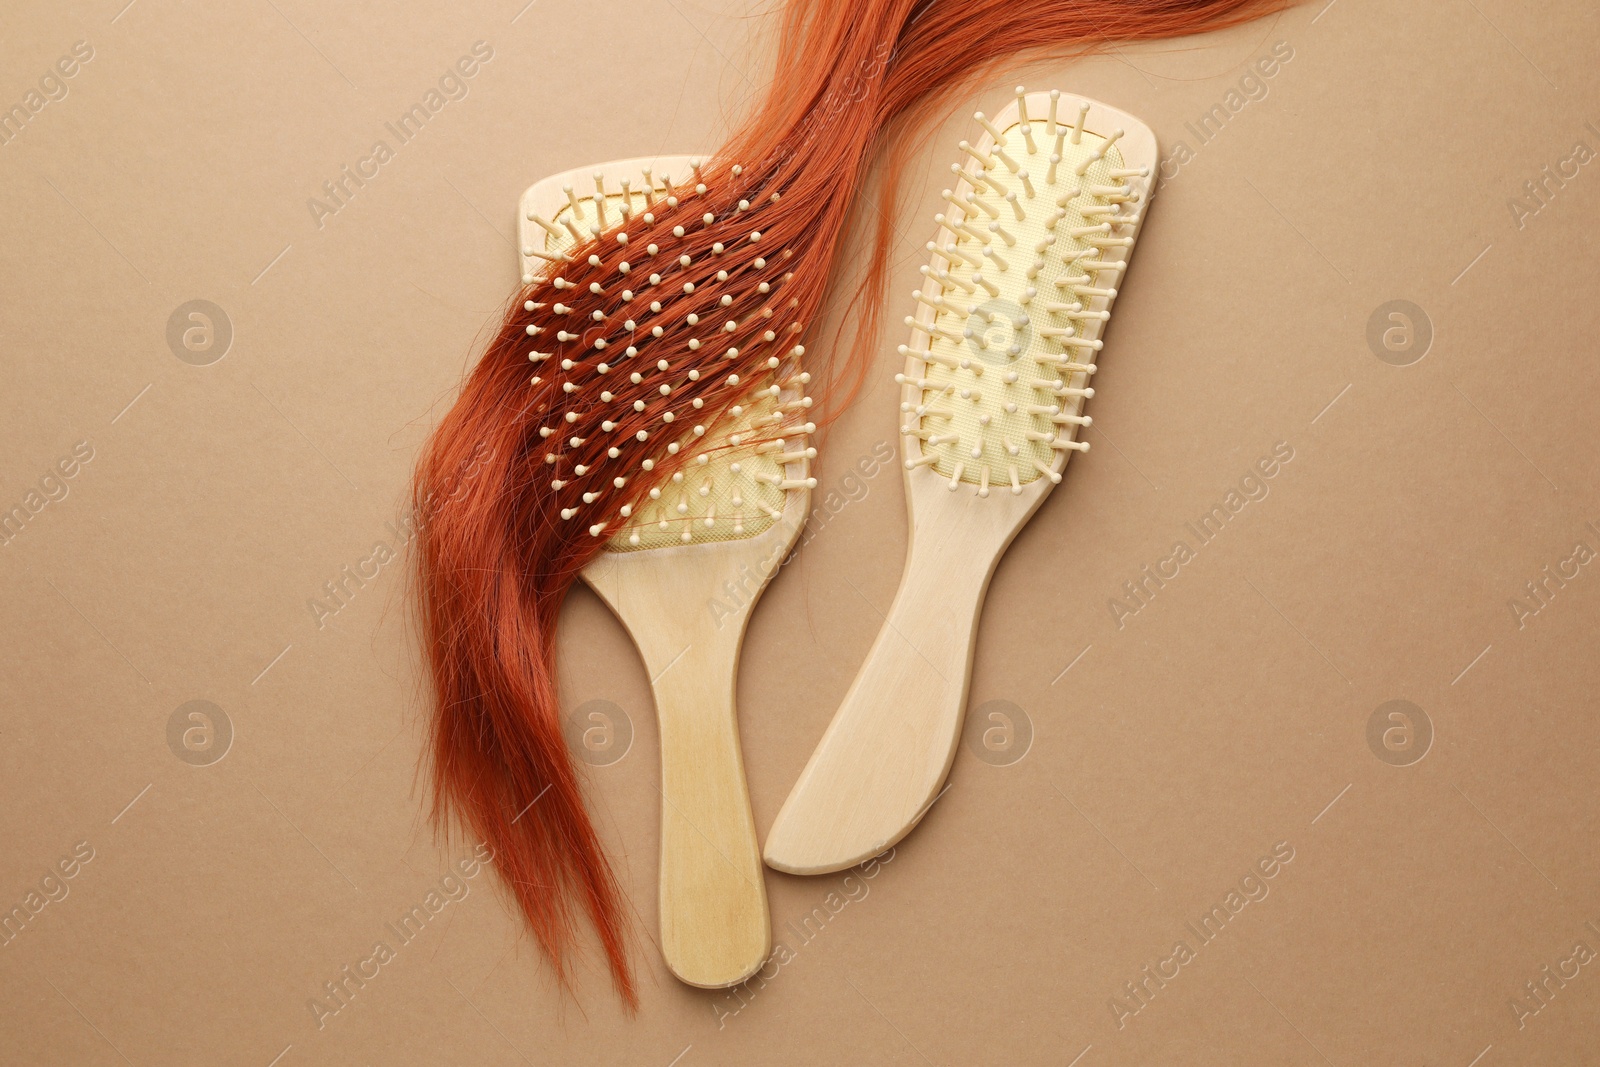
<point x="1228" y="715"/>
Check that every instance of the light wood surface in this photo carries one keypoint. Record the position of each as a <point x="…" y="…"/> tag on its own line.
<point x="884" y="758"/>
<point x="714" y="926"/>
<point x="686" y="608"/>
<point x="889" y="747"/>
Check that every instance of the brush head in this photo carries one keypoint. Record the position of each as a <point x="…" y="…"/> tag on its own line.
<point x="724" y="455"/>
<point x="736" y="482"/>
<point x="1034" y="238"/>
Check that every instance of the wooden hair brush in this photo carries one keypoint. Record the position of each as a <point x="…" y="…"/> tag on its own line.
<point x="1029" y="255"/>
<point x="727" y="516"/>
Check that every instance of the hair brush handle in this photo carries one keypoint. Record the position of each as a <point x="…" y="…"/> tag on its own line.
<point x="885" y="755"/>
<point x="714" y="926"/>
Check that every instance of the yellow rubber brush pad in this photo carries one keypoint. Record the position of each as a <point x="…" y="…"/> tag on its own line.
<point x="971" y="394"/>
<point x="725" y="492"/>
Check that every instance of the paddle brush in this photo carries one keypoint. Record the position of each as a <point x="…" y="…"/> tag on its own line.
<point x="723" y="520"/>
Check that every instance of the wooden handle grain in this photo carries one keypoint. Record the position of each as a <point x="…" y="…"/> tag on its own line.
<point x="889" y="747"/>
<point x="714" y="926"/>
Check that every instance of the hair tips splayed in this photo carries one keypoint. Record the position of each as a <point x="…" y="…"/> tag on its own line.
<point x="557" y="438"/>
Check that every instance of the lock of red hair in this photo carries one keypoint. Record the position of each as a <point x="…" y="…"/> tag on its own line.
<point x="544" y="450"/>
